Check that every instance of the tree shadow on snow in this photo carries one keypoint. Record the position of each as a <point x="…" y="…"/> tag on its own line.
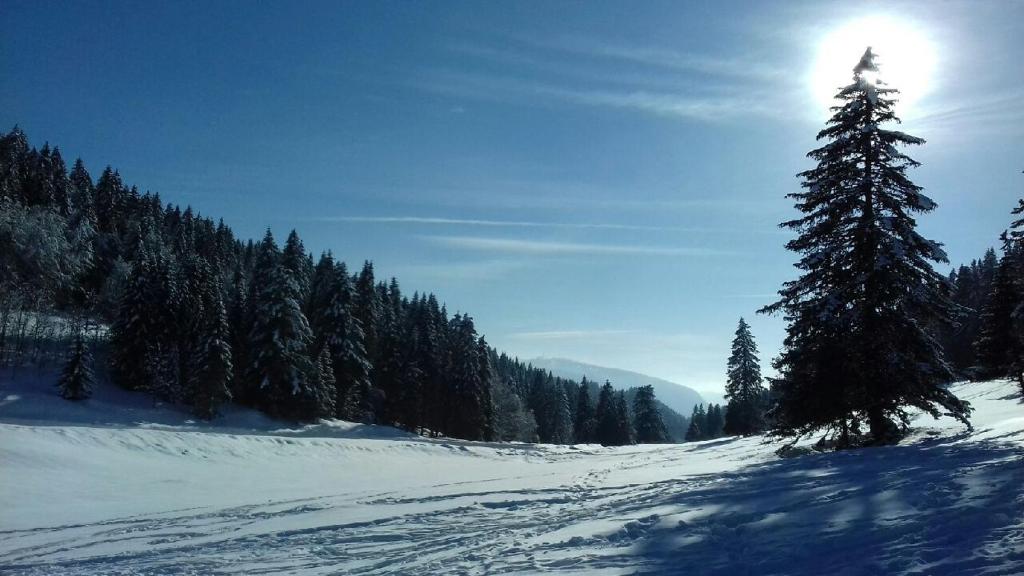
<point x="935" y="507"/>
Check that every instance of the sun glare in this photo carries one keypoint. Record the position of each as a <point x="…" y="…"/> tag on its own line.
<point x="905" y="55"/>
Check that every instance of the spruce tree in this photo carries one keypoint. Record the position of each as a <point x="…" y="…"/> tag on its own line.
<point x="584" y="424"/>
<point x="279" y="337"/>
<point x="470" y="392"/>
<point x="562" y="425"/>
<point x="337" y="329"/>
<point x="650" y="429"/>
<point x="214" y="370"/>
<point x="242" y="391"/>
<point x="130" y="333"/>
<point x="856" y="345"/>
<point x="623" y="423"/>
<point x="714" y="421"/>
<point x="607" y="432"/>
<point x="76" y="380"/>
<point x="109" y="195"/>
<point x="744" y="413"/>
<point x="294" y="258"/>
<point x="367" y="308"/>
<point x="1016" y="246"/>
<point x="998" y="344"/>
<point x="319" y="396"/>
<point x="698" y="420"/>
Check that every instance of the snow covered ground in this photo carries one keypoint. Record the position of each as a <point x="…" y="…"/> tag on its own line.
<point x="116" y="487"/>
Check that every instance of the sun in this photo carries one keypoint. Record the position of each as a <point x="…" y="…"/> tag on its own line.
<point x="905" y="54"/>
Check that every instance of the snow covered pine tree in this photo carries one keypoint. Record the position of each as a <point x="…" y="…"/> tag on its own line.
<point x="744" y="414"/>
<point x="857" y="345"/>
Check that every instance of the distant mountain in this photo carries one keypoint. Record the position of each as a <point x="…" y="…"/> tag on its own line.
<point x="675" y="396"/>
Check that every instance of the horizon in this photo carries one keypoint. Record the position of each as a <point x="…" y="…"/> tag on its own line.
<point x="600" y="185"/>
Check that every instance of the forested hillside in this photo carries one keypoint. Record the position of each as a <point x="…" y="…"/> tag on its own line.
<point x="177" y="306"/>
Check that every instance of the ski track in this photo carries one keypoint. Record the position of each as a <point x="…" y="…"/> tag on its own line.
<point x="944" y="502"/>
<point x="458" y="534"/>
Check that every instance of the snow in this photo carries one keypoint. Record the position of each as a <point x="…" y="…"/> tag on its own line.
<point x="113" y="485"/>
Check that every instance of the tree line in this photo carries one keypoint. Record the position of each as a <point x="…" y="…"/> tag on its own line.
<point x="182" y="309"/>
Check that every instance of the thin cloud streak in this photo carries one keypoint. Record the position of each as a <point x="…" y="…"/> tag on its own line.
<point x="670" y="59"/>
<point x="665" y="104"/>
<point x="500" y="223"/>
<point x="457" y="272"/>
<point x="536" y="247"/>
<point x="997" y="110"/>
<point x="567" y="334"/>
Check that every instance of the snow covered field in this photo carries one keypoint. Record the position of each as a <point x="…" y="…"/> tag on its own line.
<point x="115" y="487"/>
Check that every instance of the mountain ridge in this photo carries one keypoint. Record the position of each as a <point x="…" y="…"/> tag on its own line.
<point x="678" y="397"/>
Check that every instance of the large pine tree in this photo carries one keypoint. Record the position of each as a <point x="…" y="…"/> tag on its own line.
<point x="857" y="346"/>
<point x="744" y="414"/>
<point x="279" y="337"/>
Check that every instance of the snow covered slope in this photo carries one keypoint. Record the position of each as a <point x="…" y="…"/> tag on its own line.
<point x="108" y="496"/>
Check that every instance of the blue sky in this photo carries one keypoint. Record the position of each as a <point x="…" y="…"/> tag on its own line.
<point x="599" y="180"/>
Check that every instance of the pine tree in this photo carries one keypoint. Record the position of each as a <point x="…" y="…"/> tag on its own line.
<point x="650" y="429"/>
<point x="239" y="320"/>
<point x="367" y="308"/>
<point x="130" y="333"/>
<point x="279" y="337"/>
<point x="167" y="354"/>
<point x="998" y="343"/>
<point x="214" y="368"/>
<point x="623" y="424"/>
<point x="698" y="420"/>
<point x="192" y="282"/>
<point x="76" y="380"/>
<point x="744" y="414"/>
<point x="294" y="258"/>
<point x="714" y="421"/>
<point x="607" y="421"/>
<point x="470" y="392"/>
<point x="1001" y="339"/>
<point x="319" y="396"/>
<point x="109" y="198"/>
<point x="336" y="327"/>
<point x="584" y="423"/>
<point x="856" y="344"/>
<point x="1015" y="249"/>
<point x="14" y="150"/>
<point x="562" y="425"/>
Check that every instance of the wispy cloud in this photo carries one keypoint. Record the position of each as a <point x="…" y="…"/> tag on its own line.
<point x="460" y="272"/>
<point x="588" y="71"/>
<point x="993" y="111"/>
<point x="736" y="67"/>
<point x="712" y="107"/>
<point x="424" y="220"/>
<point x="567" y="334"/>
<point x="538" y="247"/>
